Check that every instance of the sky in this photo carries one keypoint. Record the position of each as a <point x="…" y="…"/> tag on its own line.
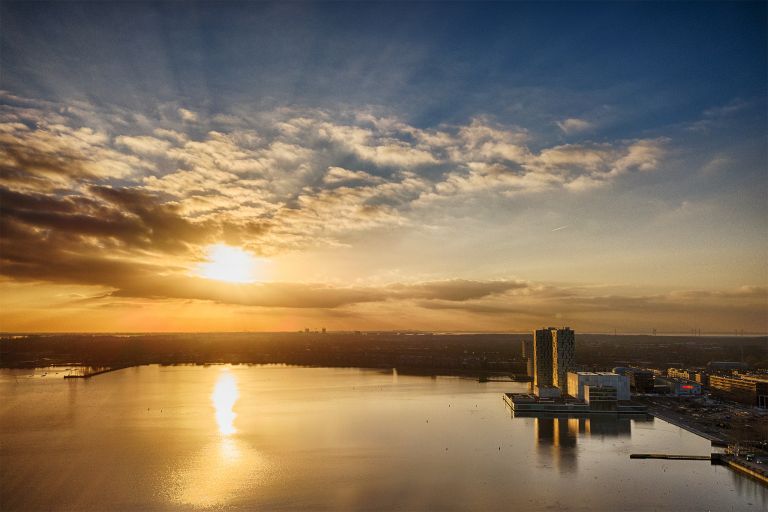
<point x="224" y="166"/>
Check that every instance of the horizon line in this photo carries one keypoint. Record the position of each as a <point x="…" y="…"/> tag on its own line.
<point x="385" y="331"/>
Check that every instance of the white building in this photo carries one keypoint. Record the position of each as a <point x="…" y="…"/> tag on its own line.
<point x="600" y="398"/>
<point x="577" y="381"/>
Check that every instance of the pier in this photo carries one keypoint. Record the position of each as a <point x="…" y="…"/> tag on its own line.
<point x="669" y="456"/>
<point x="738" y="464"/>
<point x="95" y="372"/>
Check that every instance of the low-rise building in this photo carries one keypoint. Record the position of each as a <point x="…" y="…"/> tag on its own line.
<point x="677" y="373"/>
<point x="547" y="391"/>
<point x="680" y="387"/>
<point x="578" y="380"/>
<point x="642" y="381"/>
<point x="699" y="376"/>
<point x="747" y="389"/>
<point x="600" y="398"/>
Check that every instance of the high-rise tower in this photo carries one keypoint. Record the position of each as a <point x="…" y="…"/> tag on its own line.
<point x="554" y="355"/>
<point x="542" y="357"/>
<point x="527" y="352"/>
<point x="563" y="356"/>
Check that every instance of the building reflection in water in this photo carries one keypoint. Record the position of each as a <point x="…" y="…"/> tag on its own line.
<point x="557" y="437"/>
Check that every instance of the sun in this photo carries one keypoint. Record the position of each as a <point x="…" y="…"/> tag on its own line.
<point x="231" y="264"/>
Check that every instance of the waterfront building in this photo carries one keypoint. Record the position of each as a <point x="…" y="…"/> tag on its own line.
<point x="547" y="392"/>
<point x="554" y="355"/>
<point x="563" y="355"/>
<point x="601" y="398"/>
<point x="578" y="381"/>
<point x="542" y="357"/>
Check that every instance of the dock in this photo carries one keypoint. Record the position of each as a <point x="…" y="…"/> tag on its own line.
<point x="755" y="471"/>
<point x="669" y="456"/>
<point x="523" y="404"/>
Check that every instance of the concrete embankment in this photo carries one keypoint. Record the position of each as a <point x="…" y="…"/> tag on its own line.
<point x="758" y="473"/>
<point x="685" y="426"/>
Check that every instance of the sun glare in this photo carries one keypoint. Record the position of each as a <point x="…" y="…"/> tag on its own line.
<point x="231" y="264"/>
<point x="224" y="396"/>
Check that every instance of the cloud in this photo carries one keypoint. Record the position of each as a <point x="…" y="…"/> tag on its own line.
<point x="575" y="167"/>
<point x="573" y="125"/>
<point x="128" y="244"/>
<point x="340" y="175"/>
<point x="673" y="311"/>
<point x="455" y="290"/>
<point x="718" y="114"/>
<point x="57" y="155"/>
<point x="144" y="145"/>
<point x="88" y="185"/>
<point x="187" y="115"/>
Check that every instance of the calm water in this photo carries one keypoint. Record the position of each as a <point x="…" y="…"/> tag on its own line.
<point x="284" y="438"/>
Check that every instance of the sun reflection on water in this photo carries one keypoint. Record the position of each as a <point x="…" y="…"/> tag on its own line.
<point x="226" y="466"/>
<point x="224" y="396"/>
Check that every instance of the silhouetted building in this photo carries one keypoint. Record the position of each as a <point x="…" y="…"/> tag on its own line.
<point x="563" y="355"/>
<point x="547" y="392"/>
<point x="554" y="355"/>
<point x="526" y="348"/>
<point x="542" y="357"/>
<point x="642" y="381"/>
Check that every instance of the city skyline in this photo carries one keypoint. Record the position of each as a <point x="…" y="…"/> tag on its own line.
<point x="476" y="167"/>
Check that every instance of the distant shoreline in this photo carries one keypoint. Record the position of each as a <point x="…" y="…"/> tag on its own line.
<point x="4" y="334"/>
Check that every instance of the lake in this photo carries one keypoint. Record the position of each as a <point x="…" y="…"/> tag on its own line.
<point x="290" y="438"/>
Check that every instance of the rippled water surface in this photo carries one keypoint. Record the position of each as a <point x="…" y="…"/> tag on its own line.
<point x="273" y="437"/>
